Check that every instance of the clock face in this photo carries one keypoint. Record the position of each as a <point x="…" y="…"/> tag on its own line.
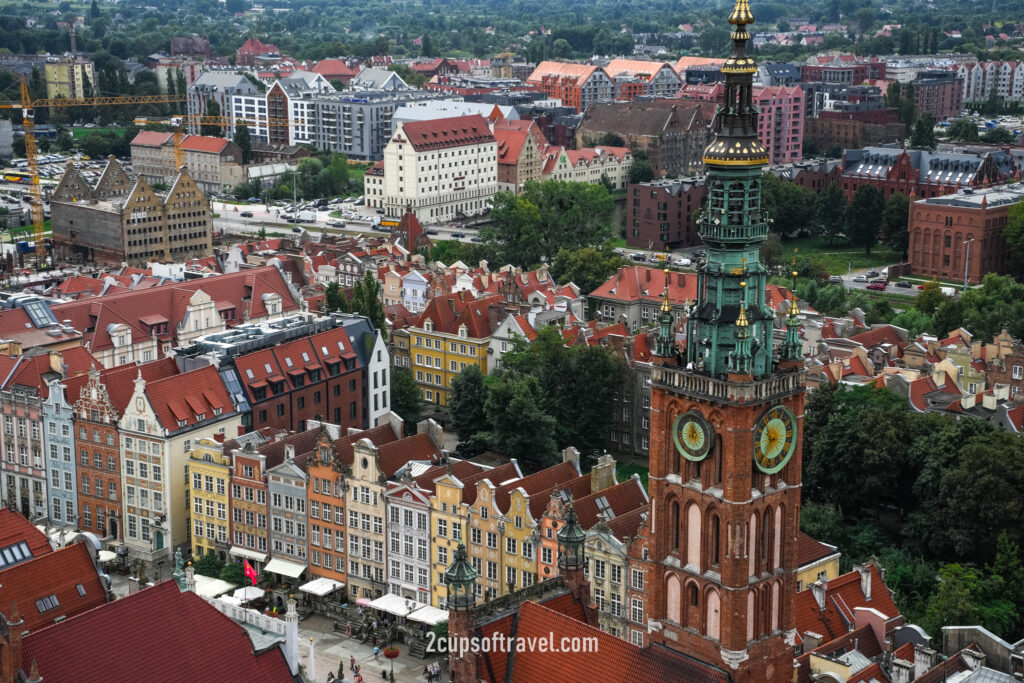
<point x="774" y="439"/>
<point x="693" y="436"/>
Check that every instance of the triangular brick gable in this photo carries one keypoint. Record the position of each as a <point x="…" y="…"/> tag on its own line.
<point x="114" y="181"/>
<point x="72" y="186"/>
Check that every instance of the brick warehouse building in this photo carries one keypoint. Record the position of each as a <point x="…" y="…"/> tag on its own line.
<point x="662" y="214"/>
<point x="939" y="227"/>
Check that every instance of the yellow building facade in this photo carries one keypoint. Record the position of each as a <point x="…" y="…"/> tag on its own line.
<point x="817" y="561"/>
<point x="452" y="333"/>
<point x="447" y="516"/>
<point x="70" y="77"/>
<point x="209" y="471"/>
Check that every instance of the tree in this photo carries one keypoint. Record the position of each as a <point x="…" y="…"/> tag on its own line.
<point x="561" y="49"/>
<point x="94" y="10"/>
<point x="641" y="172"/>
<point x="923" y="136"/>
<point x="862" y="216"/>
<point x="209" y="565"/>
<point x="427" y="46"/>
<point x="965" y="130"/>
<point x="234" y="572"/>
<point x="244" y="140"/>
<point x="519" y="427"/>
<point x="334" y="299"/>
<point x="531" y="227"/>
<point x="894" y="224"/>
<point x="914" y="322"/>
<point x="999" y="136"/>
<point x="212" y="110"/>
<point x="405" y="398"/>
<point x="64" y="140"/>
<point x="366" y="301"/>
<point x="610" y="140"/>
<point x="831" y="213"/>
<point x="790" y="206"/>
<point x="586" y="267"/>
<point x="930" y="298"/>
<point x="1013" y="233"/>
<point x="466" y="404"/>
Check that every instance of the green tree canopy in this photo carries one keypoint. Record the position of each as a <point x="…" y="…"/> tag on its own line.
<point x="923" y="136"/>
<point x="244" y="140"/>
<point x="519" y="426"/>
<point x="586" y="267"/>
<point x="366" y="300"/>
<point x="895" y="221"/>
<point x="862" y="216"/>
<point x="406" y="401"/>
<point x="467" y="403"/>
<point x="209" y="565"/>
<point x="964" y="130"/>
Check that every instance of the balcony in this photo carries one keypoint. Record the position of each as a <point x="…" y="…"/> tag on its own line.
<point x="723" y="391"/>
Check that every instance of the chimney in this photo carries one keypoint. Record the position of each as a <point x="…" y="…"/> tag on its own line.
<point x="492" y="316"/>
<point x="819" y="588"/>
<point x="867" y="616"/>
<point x="289" y="451"/>
<point x="811" y="640"/>
<point x="602" y="475"/>
<point x="865" y="580"/>
<point x="570" y="454"/>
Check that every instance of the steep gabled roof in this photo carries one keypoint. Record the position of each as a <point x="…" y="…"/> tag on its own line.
<point x="577" y="73"/>
<point x="457" y="131"/>
<point x="203" y="143"/>
<point x="615" y="500"/>
<point x="636" y="283"/>
<point x="16" y="529"/>
<point x="448" y="313"/>
<point x="394" y="455"/>
<point x="190" y="398"/>
<point x="809" y="550"/>
<point x="842" y="596"/>
<point x="156" y="632"/>
<point x="46" y="587"/>
<point x="542" y="482"/>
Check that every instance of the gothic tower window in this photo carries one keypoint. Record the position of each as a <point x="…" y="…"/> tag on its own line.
<point x="675" y="526"/>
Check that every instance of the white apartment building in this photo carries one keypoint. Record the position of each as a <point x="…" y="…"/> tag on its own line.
<point x="443" y="170"/>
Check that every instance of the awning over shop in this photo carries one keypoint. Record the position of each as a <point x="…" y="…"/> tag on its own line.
<point x="285" y="568"/>
<point x="107" y="556"/>
<point x="429" y="615"/>
<point x="247" y="593"/>
<point x="394" y="604"/>
<point x="321" y="586"/>
<point x="248" y="554"/>
<point x="209" y="587"/>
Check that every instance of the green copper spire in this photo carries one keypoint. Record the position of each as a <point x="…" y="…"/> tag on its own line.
<point x="791" y="348"/>
<point x="665" y="344"/>
<point x="731" y="326"/>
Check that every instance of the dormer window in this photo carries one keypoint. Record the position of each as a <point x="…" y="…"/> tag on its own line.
<point x="462" y="332"/>
<point x="217" y="411"/>
<point x="182" y="423"/>
<point x="428" y="326"/>
<point x="200" y="417"/>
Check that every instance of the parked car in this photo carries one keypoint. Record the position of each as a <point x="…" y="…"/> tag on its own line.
<point x="246" y="214"/>
<point x="636" y="256"/>
<point x="296" y="229"/>
<point x="836" y="280"/>
<point x="860" y="278"/>
<point x="682" y="262"/>
<point x="700" y="253"/>
<point x="253" y="200"/>
<point x="872" y="273"/>
<point x="432" y="231"/>
<point x="877" y="286"/>
<point x="476" y="239"/>
<point x="287" y="217"/>
<point x="380" y="211"/>
<point x="904" y="284"/>
<point x="459" y="235"/>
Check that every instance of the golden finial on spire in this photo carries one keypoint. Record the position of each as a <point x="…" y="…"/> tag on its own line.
<point x="742" y="321"/>
<point x="741" y="14"/>
<point x="793" y="310"/>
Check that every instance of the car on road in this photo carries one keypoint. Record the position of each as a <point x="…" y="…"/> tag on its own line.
<point x="287" y="217"/>
<point x="637" y="256"/>
<point x="682" y="262"/>
<point x="432" y="231"/>
<point x="904" y="284"/>
<point x="836" y="280"/>
<point x="459" y="235"/>
<point x="877" y="286"/>
<point x="336" y="224"/>
<point x="700" y="253"/>
<point x="253" y="200"/>
<point x="476" y="239"/>
<point x="296" y="229"/>
<point x="860" y="278"/>
<point x="380" y="211"/>
<point x="872" y="273"/>
<point x="246" y="214"/>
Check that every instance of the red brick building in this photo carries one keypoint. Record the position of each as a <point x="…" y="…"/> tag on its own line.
<point x="920" y="173"/>
<point x="316" y="377"/>
<point x="940" y="227"/>
<point x="940" y="93"/>
<point x="100" y="398"/>
<point x="576" y="85"/>
<point x="662" y="214"/>
<point x="843" y="71"/>
<point x="252" y="49"/>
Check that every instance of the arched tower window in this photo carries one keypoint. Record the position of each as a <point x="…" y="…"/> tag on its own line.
<point x="675" y="525"/>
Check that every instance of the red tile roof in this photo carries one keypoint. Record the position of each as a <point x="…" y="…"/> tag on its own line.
<point x="526" y="327"/>
<point x="380" y="435"/>
<point x="188" y="399"/>
<point x="334" y="68"/>
<point x="150" y="138"/>
<point x="842" y="596"/>
<point x="457" y="131"/>
<point x="35" y="371"/>
<point x="459" y="469"/>
<point x="156" y="633"/>
<point x="15" y="528"/>
<point x="120" y="381"/>
<point x="809" y="550"/>
<point x="578" y="73"/>
<point x="635" y="283"/>
<point x="635" y="67"/>
<point x="613" y="501"/>
<point x="53" y="574"/>
<point x="882" y="334"/>
<point x="497" y="476"/>
<point x="203" y="143"/>
<point x="394" y="455"/>
<point x="625" y="526"/>
<point x="510" y="144"/>
<point x="448" y="313"/>
<point x="541" y="482"/>
<point x="944" y="670"/>
<point x="863" y="640"/>
<point x="244" y="291"/>
<point x="613" y="659"/>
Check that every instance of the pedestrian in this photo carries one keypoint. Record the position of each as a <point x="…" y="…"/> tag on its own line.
<point x="376" y="651"/>
<point x="375" y="642"/>
<point x="352" y="663"/>
<point x="384" y="674"/>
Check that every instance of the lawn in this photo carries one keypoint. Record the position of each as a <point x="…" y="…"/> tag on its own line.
<point x="79" y="133"/>
<point x="625" y="470"/>
<point x="839" y="257"/>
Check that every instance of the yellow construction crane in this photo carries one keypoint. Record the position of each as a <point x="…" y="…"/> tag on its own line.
<point x="28" y="107"/>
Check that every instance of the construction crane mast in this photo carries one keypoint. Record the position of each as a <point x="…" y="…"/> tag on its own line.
<point x="28" y="107"/>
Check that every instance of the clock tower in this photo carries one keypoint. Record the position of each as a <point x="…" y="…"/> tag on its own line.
<point x="718" y="554"/>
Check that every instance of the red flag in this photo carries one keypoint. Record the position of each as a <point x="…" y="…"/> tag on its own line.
<point x="250" y="572"/>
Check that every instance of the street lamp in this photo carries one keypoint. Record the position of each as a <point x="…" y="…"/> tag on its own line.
<point x="967" y="260"/>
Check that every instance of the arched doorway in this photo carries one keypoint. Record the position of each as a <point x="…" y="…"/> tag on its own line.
<point x="159" y="541"/>
<point x="112" y="528"/>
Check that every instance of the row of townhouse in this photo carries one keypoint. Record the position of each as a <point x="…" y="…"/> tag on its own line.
<point x="106" y="450"/>
<point x="382" y="514"/>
